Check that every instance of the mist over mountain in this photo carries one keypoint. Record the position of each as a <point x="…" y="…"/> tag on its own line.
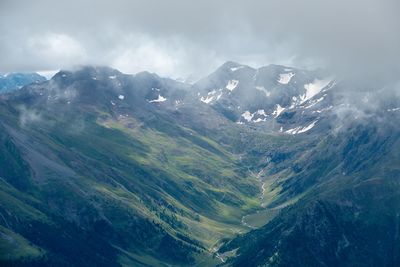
<point x="208" y="133"/>
<point x="358" y="38"/>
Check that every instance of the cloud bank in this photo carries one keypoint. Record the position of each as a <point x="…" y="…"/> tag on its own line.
<point x="179" y="38"/>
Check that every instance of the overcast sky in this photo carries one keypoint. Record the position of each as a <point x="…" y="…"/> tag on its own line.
<point x="180" y="38"/>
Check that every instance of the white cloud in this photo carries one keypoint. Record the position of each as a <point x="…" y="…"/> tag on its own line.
<point x="146" y="55"/>
<point x="172" y="56"/>
<point x="56" y="47"/>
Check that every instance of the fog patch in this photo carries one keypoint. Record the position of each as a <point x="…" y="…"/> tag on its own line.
<point x="29" y="116"/>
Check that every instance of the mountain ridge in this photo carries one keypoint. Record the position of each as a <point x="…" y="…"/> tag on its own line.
<point x="15" y="81"/>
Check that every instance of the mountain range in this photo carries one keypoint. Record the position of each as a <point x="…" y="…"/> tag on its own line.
<point x="274" y="166"/>
<point x="13" y="81"/>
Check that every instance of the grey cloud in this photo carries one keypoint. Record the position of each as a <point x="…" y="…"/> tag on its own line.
<point x="178" y="38"/>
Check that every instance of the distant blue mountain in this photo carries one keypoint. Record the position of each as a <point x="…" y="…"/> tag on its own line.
<point x="13" y="81"/>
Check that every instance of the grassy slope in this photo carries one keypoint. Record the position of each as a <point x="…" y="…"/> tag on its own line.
<point x="16" y="246"/>
<point x="169" y="176"/>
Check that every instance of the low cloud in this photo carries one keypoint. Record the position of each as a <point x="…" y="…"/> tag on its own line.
<point x="28" y="116"/>
<point x="52" y="47"/>
<point x="356" y="38"/>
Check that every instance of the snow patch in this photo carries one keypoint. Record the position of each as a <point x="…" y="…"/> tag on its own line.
<point x="122" y="97"/>
<point x="314" y="102"/>
<point x="237" y="68"/>
<point x="278" y="111"/>
<point x="232" y="84"/>
<point x="284" y="78"/>
<point x="307" y="128"/>
<point x="211" y="96"/>
<point x="247" y="116"/>
<point x="299" y="130"/>
<point x="112" y="77"/>
<point x="159" y="99"/>
<point x="207" y="99"/>
<point x="259" y="120"/>
<point x="314" y="88"/>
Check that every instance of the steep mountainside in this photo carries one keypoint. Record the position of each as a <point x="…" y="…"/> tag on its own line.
<point x="349" y="213"/>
